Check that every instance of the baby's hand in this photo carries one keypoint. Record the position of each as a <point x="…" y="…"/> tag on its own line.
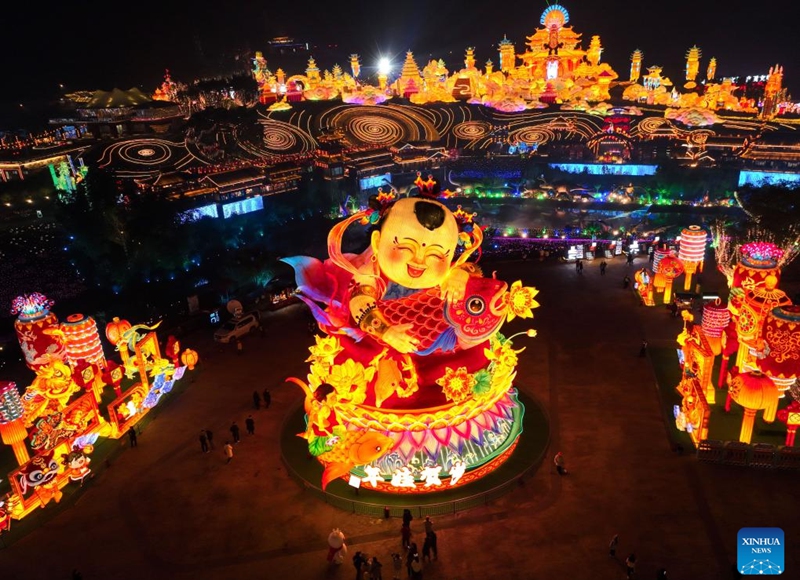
<point x="398" y="338"/>
<point x="454" y="286"/>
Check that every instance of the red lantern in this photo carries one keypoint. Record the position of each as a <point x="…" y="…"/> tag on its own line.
<point x="115" y="329"/>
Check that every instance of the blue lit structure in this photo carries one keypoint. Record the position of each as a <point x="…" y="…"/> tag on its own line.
<point x="242" y="206"/>
<point x="605" y="169"/>
<point x="759" y="178"/>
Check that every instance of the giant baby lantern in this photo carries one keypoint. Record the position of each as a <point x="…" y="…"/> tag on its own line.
<point x="692" y="252"/>
<point x="757" y="261"/>
<point x="411" y="388"/>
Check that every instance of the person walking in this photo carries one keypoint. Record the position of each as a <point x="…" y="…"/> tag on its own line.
<point x="210" y="437"/>
<point x="428" y="526"/>
<point x="643" y="350"/>
<point x="132" y="436"/>
<point x="405" y="536"/>
<point x="626" y="281"/>
<point x="203" y="442"/>
<point x="558" y="460"/>
<point x="358" y="561"/>
<point x="375" y="569"/>
<point x="612" y="546"/>
<point x="235" y="432"/>
<point x="256" y="400"/>
<point x="397" y="566"/>
<point x="434" y="545"/>
<point x="412" y="553"/>
<point x="267" y="399"/>
<point x="416" y="569"/>
<point x="228" y="449"/>
<point x="250" y="424"/>
<point x="603" y="266"/>
<point x="239" y="347"/>
<point x="407" y="517"/>
<point x="630" y="565"/>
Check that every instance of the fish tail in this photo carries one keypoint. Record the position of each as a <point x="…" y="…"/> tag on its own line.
<point x="334" y="471"/>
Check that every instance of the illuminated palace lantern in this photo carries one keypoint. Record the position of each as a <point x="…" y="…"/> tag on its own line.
<point x="692" y="67"/>
<point x="791" y="416"/>
<point x="754" y="391"/>
<point x="692" y="252"/>
<point x="715" y="318"/>
<point x="410" y="392"/>
<point x="37" y="329"/>
<point x="757" y="260"/>
<point x="781" y="331"/>
<point x="659" y="282"/>
<point x="83" y="340"/>
<point x="190" y="358"/>
<point x="670" y="268"/>
<point x="12" y="425"/>
<point x="757" y="303"/>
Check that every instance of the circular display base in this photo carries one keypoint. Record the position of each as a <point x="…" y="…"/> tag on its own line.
<point x="526" y="455"/>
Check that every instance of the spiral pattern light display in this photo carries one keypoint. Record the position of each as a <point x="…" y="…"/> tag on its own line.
<point x="139" y="157"/>
<point x="533" y="135"/>
<point x="692" y="251"/>
<point x="377" y="130"/>
<point x="281" y="138"/>
<point x="381" y="124"/>
<point x="472" y="130"/>
<point x="148" y="153"/>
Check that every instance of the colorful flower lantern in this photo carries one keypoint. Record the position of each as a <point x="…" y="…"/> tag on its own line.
<point x="791" y="416"/>
<point x="34" y="326"/>
<point x="190" y="358"/>
<point x="115" y="329"/>
<point x="12" y="427"/>
<point x="692" y="251"/>
<point x="670" y="268"/>
<point x="781" y="331"/>
<point x="754" y="391"/>
<point x="83" y="340"/>
<point x="716" y="317"/>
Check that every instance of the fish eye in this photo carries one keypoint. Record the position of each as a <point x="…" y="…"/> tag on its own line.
<point x="476" y="305"/>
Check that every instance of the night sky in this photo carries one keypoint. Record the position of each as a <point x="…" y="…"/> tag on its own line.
<point x="91" y="45"/>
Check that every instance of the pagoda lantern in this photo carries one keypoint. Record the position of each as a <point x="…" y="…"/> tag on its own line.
<point x="791" y="416"/>
<point x="670" y="268"/>
<point x="715" y="318"/>
<point x="754" y="391"/>
<point x="781" y="331"/>
<point x="12" y="426"/>
<point x="692" y="252"/>
<point x="35" y="325"/>
<point x="82" y="340"/>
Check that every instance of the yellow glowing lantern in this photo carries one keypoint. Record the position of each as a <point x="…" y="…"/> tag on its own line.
<point x="82" y="340"/>
<point x="754" y="391"/>
<point x="692" y="252"/>
<point x="115" y="329"/>
<point x="190" y="358"/>
<point x="715" y="318"/>
<point x="12" y="426"/>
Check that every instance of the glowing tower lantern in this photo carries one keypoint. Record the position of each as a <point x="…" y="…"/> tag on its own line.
<point x="670" y="268"/>
<point x="508" y="58"/>
<point x="595" y="51"/>
<point x="692" y="67"/>
<point x="692" y="252"/>
<point x="781" y="331"/>
<point x="636" y="65"/>
<point x="12" y="426"/>
<point x="83" y="340"/>
<point x="36" y="329"/>
<point x="711" y="73"/>
<point x="754" y="391"/>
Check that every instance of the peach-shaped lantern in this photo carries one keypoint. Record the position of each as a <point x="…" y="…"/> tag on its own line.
<point x="115" y="329"/>
<point x="754" y="391"/>
<point x="791" y="416"/>
<point x="692" y="251"/>
<point x="190" y="358"/>
<point x="670" y="267"/>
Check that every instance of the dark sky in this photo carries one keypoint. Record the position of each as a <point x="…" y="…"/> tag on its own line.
<point x="90" y="44"/>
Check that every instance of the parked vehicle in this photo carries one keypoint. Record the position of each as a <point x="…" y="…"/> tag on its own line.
<point x="237" y="327"/>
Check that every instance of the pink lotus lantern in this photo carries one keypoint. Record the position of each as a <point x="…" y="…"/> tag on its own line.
<point x="791" y="416"/>
<point x="692" y="252"/>
<point x="670" y="268"/>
